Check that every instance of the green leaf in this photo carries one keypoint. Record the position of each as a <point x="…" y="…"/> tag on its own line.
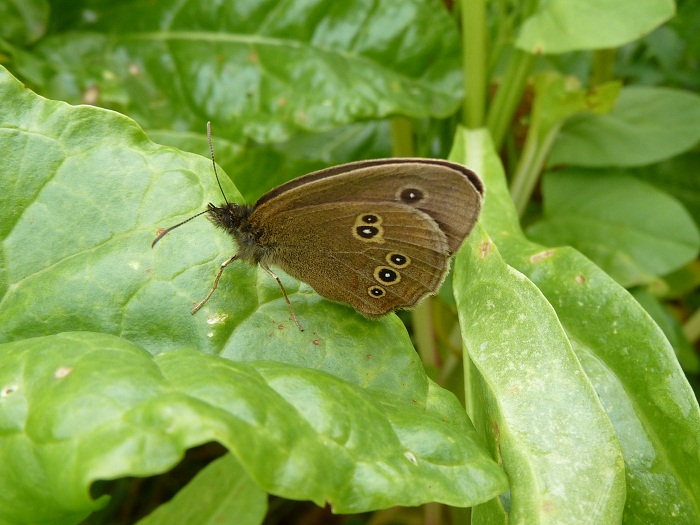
<point x="550" y="428"/>
<point x="559" y="98"/>
<point x="687" y="357"/>
<point x="79" y="407"/>
<point x="560" y="26"/>
<point x="284" y="161"/>
<point x="547" y="425"/>
<point x="346" y="412"/>
<point x="632" y="230"/>
<point x="679" y="176"/>
<point x="81" y="197"/>
<point x="622" y="352"/>
<point x="647" y="125"/>
<point x="678" y="284"/>
<point x="23" y="21"/>
<point x="262" y="69"/>
<point x="221" y="490"/>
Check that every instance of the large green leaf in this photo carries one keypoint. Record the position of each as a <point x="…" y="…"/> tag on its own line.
<point x="560" y="26"/>
<point x="79" y="407"/>
<point x="679" y="176"/>
<point x="687" y="356"/>
<point x="620" y="351"/>
<point x="648" y="124"/>
<point x="342" y="412"/>
<point x="632" y="230"/>
<point x="303" y="153"/>
<point x="550" y="429"/>
<point x="259" y="68"/>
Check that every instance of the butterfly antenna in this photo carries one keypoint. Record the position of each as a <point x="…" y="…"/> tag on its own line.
<point x="163" y="232"/>
<point x="213" y="162"/>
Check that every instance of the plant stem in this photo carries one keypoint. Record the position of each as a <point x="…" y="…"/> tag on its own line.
<point x="537" y="146"/>
<point x="510" y="90"/>
<point x="474" y="54"/>
<point x="402" y="144"/>
<point x="602" y="64"/>
<point x="691" y="328"/>
<point x="432" y="514"/>
<point x="507" y="98"/>
<point x="424" y="333"/>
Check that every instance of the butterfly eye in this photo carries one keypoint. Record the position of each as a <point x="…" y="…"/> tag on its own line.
<point x="411" y="195"/>
<point x="368" y="228"/>
<point x="367" y="232"/>
<point x="386" y="275"/>
<point x="398" y="260"/>
<point x="376" y="291"/>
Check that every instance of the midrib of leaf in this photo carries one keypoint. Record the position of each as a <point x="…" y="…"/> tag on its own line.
<point x="254" y="39"/>
<point x="646" y="423"/>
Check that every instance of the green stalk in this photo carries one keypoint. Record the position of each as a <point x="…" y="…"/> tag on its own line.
<point x="424" y="333"/>
<point x="510" y="91"/>
<point x="402" y="144"/>
<point x="602" y="64"/>
<point x="534" y="155"/>
<point x="691" y="328"/>
<point x="474" y="52"/>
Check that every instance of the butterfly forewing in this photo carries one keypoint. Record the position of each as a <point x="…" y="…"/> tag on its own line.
<point x="449" y="193"/>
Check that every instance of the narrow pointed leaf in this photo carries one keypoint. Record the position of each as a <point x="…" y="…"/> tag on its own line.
<point x="648" y="124"/>
<point x="622" y="352"/>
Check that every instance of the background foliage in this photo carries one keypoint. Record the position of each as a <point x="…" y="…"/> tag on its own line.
<point x="575" y="299"/>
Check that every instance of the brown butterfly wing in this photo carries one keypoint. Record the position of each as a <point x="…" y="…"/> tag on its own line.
<point x="375" y="234"/>
<point x="375" y="256"/>
<point x="448" y="192"/>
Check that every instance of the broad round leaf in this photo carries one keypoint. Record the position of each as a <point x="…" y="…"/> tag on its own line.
<point x="648" y="124"/>
<point x="79" y="407"/>
<point x="260" y="69"/>
<point x="342" y="412"/>
<point x="679" y="177"/>
<point x="560" y="26"/>
<point x="632" y="230"/>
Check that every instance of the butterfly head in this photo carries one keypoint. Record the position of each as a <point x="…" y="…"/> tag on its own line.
<point x="230" y="216"/>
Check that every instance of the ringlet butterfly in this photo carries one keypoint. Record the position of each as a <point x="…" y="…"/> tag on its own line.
<point x="375" y="234"/>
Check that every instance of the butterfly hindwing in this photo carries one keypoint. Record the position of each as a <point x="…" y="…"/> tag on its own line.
<point x="376" y="257"/>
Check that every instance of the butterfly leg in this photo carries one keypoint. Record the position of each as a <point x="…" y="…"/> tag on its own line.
<point x="284" y="292"/>
<point x="216" y="282"/>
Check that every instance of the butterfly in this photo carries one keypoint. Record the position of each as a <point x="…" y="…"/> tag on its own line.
<point x="375" y="234"/>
